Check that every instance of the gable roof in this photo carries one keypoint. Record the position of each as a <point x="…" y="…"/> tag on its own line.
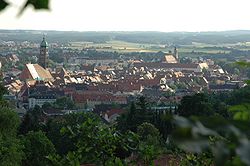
<point x="166" y="65"/>
<point x="35" y="72"/>
<point x="169" y="59"/>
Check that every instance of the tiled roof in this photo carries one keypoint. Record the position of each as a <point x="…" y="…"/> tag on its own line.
<point x="35" y="72"/>
<point x="166" y="65"/>
<point x="169" y="59"/>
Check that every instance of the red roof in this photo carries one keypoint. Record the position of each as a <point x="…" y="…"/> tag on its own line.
<point x="114" y="111"/>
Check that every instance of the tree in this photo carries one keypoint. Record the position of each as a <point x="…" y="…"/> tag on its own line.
<point x="64" y="103"/>
<point x="150" y="143"/>
<point x="9" y="122"/>
<point x="10" y="147"/>
<point x="149" y="133"/>
<point x="11" y="153"/>
<point x="37" y="148"/>
<point x="32" y="121"/>
<point x="96" y="143"/>
<point x="3" y="91"/>
<point x="136" y="115"/>
<point x="46" y="106"/>
<point x="64" y="142"/>
<point x="196" y="105"/>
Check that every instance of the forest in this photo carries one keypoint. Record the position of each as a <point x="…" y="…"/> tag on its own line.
<point x="178" y="38"/>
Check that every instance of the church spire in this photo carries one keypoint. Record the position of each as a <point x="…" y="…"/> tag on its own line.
<point x="43" y="57"/>
<point x="176" y="54"/>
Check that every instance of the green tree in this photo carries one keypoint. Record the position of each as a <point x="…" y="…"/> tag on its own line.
<point x="9" y="122"/>
<point x="150" y="143"/>
<point x="63" y="142"/>
<point x="11" y="153"/>
<point x="64" y="103"/>
<point x="136" y="115"/>
<point x="37" y="148"/>
<point x="3" y="91"/>
<point x="95" y="143"/>
<point x="10" y="147"/>
<point x="32" y="121"/>
<point x="196" y="105"/>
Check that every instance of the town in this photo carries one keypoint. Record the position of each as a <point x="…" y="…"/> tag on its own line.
<point x="124" y="83"/>
<point x="104" y="82"/>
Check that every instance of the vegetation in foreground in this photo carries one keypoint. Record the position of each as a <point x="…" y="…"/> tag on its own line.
<point x="206" y="129"/>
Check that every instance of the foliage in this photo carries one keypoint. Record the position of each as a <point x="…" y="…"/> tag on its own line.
<point x="97" y="143"/>
<point x="243" y="63"/>
<point x="9" y="122"/>
<point x="10" y="146"/>
<point x="36" y="148"/>
<point x="241" y="112"/>
<point x="224" y="146"/>
<point x="60" y="103"/>
<point x="10" y="151"/>
<point x="148" y="132"/>
<point x="32" y="121"/>
<point x="37" y="4"/>
<point x="3" y="91"/>
<point x="64" y="103"/>
<point x="196" y="105"/>
<point x="203" y="159"/>
<point x="137" y="114"/>
<point x="3" y="4"/>
<point x="150" y="143"/>
<point x="63" y="142"/>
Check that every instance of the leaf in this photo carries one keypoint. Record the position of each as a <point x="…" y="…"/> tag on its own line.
<point x="241" y="112"/>
<point x="37" y="4"/>
<point x="248" y="82"/>
<point x="3" y="4"/>
<point x="194" y="146"/>
<point x="221" y="153"/>
<point x="182" y="122"/>
<point x="200" y="129"/>
<point x="244" y="152"/>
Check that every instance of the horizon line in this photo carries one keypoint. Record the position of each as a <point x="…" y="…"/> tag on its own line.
<point x="117" y="31"/>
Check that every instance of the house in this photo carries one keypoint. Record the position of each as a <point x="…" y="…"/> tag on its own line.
<point x="112" y="114"/>
<point x="223" y="87"/>
<point x="41" y="99"/>
<point x="172" y="66"/>
<point x="93" y="98"/>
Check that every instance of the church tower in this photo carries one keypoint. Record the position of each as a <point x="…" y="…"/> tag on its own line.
<point x="176" y="54"/>
<point x="43" y="57"/>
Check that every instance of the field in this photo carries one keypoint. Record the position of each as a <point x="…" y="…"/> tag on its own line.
<point x="121" y="46"/>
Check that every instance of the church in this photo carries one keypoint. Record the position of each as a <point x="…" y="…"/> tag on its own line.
<point x="171" y="57"/>
<point x="38" y="71"/>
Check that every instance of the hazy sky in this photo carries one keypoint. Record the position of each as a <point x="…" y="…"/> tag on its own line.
<point x="131" y="15"/>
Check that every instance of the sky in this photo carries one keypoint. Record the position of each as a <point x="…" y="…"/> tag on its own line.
<point x="131" y="15"/>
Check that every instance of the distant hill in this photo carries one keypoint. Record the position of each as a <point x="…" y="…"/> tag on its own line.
<point x="176" y="38"/>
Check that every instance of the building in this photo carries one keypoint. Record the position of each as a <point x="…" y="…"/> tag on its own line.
<point x="41" y="99"/>
<point x="41" y="93"/>
<point x="43" y="58"/>
<point x="173" y="66"/>
<point x="35" y="72"/>
<point x="171" y="57"/>
<point x="176" y="55"/>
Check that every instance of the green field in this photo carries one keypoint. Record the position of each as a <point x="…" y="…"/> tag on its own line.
<point x="121" y="46"/>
